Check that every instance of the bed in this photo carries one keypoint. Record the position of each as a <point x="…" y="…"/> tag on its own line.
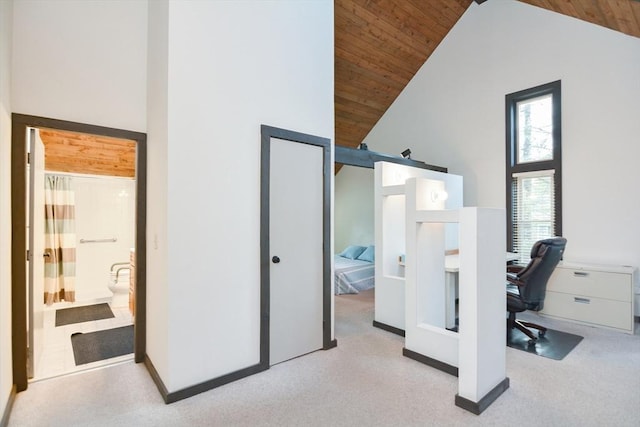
<point x="354" y="270"/>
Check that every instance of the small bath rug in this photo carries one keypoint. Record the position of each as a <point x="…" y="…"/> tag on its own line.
<point x="101" y="345"/>
<point x="554" y="345"/>
<point x="86" y="313"/>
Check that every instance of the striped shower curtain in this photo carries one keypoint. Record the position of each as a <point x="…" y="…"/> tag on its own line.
<point x="60" y="240"/>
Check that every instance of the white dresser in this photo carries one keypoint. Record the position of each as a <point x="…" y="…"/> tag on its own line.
<point x="598" y="295"/>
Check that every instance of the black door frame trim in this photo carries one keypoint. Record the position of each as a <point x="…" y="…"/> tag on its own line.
<point x="19" y="124"/>
<point x="512" y="166"/>
<point x="268" y="132"/>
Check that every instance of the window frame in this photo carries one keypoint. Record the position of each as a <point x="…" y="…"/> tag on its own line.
<point x="512" y="166"/>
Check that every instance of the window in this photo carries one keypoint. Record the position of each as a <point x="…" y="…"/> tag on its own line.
<point x="534" y="167"/>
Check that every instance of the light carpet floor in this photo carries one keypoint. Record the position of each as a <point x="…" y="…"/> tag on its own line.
<point x="365" y="381"/>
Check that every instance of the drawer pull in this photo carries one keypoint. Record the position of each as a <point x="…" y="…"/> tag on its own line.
<point x="580" y="273"/>
<point x="582" y="300"/>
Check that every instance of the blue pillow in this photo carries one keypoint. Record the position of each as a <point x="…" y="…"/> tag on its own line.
<point x="352" y="252"/>
<point x="368" y="254"/>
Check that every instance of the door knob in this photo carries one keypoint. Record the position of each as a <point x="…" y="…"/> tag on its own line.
<point x="275" y="259"/>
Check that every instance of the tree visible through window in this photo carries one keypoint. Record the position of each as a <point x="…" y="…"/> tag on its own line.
<point x="533" y="167"/>
<point x="535" y="126"/>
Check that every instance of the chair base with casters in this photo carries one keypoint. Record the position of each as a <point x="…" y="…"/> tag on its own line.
<point x="525" y="327"/>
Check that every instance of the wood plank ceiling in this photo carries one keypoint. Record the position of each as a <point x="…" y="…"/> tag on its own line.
<point x="381" y="44"/>
<point x="88" y="154"/>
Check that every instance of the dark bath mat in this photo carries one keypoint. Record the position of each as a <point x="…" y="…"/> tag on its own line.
<point x="554" y="345"/>
<point x="100" y="345"/>
<point x="85" y="313"/>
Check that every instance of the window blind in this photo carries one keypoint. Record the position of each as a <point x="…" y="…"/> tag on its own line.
<point x="533" y="210"/>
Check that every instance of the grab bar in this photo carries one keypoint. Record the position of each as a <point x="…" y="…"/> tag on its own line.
<point x="118" y="263"/>
<point x="111" y="240"/>
<point x="118" y="272"/>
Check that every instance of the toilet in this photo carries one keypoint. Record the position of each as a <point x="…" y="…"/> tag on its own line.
<point x="119" y="284"/>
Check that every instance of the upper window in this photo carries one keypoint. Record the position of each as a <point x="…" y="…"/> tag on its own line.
<point x="535" y="129"/>
<point x="534" y="167"/>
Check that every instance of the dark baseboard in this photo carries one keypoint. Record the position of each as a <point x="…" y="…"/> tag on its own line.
<point x="171" y="397"/>
<point x="332" y="344"/>
<point x="474" y="407"/>
<point x="156" y="378"/>
<point x="213" y="383"/>
<point x="389" y="328"/>
<point x="478" y="407"/>
<point x="4" y="422"/>
<point x="444" y="367"/>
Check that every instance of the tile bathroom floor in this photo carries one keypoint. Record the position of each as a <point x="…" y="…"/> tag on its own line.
<point x="57" y="353"/>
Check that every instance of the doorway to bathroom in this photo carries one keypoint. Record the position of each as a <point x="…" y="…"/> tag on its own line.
<point x="83" y="288"/>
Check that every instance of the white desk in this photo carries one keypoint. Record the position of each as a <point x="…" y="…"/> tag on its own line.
<point x="452" y="262"/>
<point x="452" y="267"/>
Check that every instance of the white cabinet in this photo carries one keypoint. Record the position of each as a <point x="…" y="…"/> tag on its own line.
<point x="598" y="295"/>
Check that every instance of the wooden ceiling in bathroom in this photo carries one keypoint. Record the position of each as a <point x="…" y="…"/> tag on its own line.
<point x="88" y="154"/>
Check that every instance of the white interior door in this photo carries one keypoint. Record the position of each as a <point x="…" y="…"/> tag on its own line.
<point x="295" y="228"/>
<point x="36" y="250"/>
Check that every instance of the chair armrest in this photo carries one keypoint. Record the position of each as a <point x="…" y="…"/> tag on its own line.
<point x="515" y="268"/>
<point x="514" y="280"/>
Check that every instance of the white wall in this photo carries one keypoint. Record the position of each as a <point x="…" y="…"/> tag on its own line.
<point x="6" y="377"/>
<point x="105" y="209"/>
<point x="157" y="171"/>
<point x="354" y="208"/>
<point x="77" y="61"/>
<point x="228" y="67"/>
<point x="455" y="106"/>
<point x="82" y="61"/>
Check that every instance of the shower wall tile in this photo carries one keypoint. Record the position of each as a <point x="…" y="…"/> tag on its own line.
<point x="105" y="209"/>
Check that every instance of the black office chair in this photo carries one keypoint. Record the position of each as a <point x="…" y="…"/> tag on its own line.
<point x="528" y="284"/>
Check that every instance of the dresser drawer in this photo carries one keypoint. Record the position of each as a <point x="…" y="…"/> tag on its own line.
<point x="597" y="311"/>
<point x="598" y="284"/>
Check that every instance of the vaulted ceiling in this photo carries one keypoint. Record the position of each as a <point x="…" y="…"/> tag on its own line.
<point x="381" y="44"/>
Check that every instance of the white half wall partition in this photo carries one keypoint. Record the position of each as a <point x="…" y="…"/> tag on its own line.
<point x="476" y="353"/>
<point x="389" y="197"/>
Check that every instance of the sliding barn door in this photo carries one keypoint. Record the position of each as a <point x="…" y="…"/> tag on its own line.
<point x="296" y="249"/>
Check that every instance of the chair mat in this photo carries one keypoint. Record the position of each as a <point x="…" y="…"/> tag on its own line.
<point x="554" y="344"/>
